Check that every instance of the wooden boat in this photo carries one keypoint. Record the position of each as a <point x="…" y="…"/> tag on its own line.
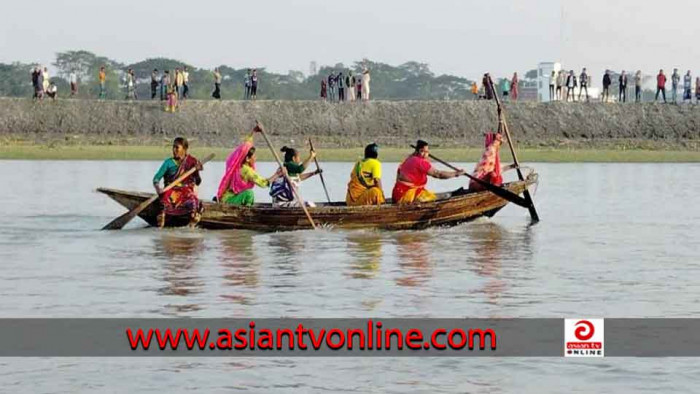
<point x="449" y="209"/>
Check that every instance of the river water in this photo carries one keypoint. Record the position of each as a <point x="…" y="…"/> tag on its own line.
<point x="616" y="240"/>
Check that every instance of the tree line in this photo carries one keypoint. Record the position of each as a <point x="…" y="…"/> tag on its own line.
<point x="408" y="81"/>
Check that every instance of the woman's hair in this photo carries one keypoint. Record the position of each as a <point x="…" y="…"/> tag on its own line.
<point x="289" y="153"/>
<point x="250" y="154"/>
<point x="372" y="151"/>
<point x="182" y="142"/>
<point x="420" y="144"/>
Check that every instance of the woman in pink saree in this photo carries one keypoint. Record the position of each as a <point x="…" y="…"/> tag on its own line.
<point x="489" y="167"/>
<point x="236" y="187"/>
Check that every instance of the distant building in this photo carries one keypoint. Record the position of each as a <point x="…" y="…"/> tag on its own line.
<point x="313" y="68"/>
<point x="528" y="91"/>
<point x="544" y="71"/>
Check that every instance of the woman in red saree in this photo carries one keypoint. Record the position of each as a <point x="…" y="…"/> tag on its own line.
<point x="489" y="167"/>
<point x="514" y="87"/>
<point x="412" y="176"/>
<point x="182" y="199"/>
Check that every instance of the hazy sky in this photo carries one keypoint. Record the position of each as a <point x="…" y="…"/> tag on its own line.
<point x="461" y="37"/>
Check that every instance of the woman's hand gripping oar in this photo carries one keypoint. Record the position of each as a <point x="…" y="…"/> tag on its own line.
<point x="121" y="221"/>
<point x="320" y="174"/>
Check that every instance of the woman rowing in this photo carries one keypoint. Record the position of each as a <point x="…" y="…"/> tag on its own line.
<point x="280" y="191"/>
<point x="182" y="199"/>
<point x="412" y="176"/>
<point x="365" y="186"/>
<point x="489" y="167"/>
<point x="236" y="187"/>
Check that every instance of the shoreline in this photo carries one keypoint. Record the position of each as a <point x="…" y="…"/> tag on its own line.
<point x="386" y="154"/>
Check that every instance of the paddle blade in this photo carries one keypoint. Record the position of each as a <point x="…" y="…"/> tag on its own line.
<point x="121" y="221"/>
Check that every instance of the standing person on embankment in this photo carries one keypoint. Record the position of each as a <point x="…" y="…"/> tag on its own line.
<point x="412" y="176"/>
<point x="324" y="89"/>
<point x="607" y="81"/>
<point x="350" y="84"/>
<point x="36" y="83"/>
<point x="246" y="85"/>
<point x="561" y="81"/>
<point x="488" y="91"/>
<point x="514" y="87"/>
<point x="660" y="85"/>
<point x="638" y="86"/>
<point x="73" y="79"/>
<point x="505" y="88"/>
<point x="154" y="83"/>
<point x="583" y="79"/>
<point x="185" y="82"/>
<point x="102" y="77"/>
<point x="217" y="84"/>
<point x="675" y="79"/>
<point x="254" y="85"/>
<point x="164" y="83"/>
<point x="552" y="84"/>
<point x="622" y="84"/>
<point x="687" y="87"/>
<point x="365" y="84"/>
<point x="571" y="85"/>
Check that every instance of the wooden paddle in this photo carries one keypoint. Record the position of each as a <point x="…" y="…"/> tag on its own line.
<point x="122" y="220"/>
<point x="499" y="191"/>
<point x="320" y="174"/>
<point x="284" y="173"/>
<point x="503" y="126"/>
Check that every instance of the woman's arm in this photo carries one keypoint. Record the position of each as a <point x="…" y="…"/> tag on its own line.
<point x="160" y="174"/>
<point x="444" y="174"/>
<point x="308" y="175"/>
<point x="305" y="163"/>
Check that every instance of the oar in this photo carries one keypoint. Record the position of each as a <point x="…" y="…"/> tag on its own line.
<point x="499" y="191"/>
<point x="502" y="125"/>
<point x="286" y="177"/>
<point x="122" y="220"/>
<point x="320" y="174"/>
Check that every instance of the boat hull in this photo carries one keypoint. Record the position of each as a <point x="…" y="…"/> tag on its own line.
<point x="448" y="210"/>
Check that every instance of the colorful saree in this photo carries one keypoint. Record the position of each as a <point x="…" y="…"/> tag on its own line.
<point x="489" y="167"/>
<point x="181" y="199"/>
<point x="414" y="172"/>
<point x="361" y="193"/>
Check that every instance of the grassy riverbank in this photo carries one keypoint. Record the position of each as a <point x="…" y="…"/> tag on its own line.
<point x="112" y="152"/>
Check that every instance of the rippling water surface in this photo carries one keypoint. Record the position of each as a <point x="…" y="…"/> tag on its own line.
<point x="616" y="240"/>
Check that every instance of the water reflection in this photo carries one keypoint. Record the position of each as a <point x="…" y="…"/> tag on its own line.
<point x="181" y="251"/>
<point x="240" y="265"/>
<point x="288" y="251"/>
<point x="366" y="249"/>
<point x="414" y="257"/>
<point x="487" y="239"/>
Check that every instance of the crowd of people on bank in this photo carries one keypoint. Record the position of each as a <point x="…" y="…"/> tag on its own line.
<point x="43" y="86"/>
<point x="562" y="86"/>
<point x="173" y="86"/>
<point x="346" y="86"/>
<point x="566" y="86"/>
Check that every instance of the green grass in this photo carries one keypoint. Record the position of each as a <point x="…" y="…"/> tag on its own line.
<point x="112" y="152"/>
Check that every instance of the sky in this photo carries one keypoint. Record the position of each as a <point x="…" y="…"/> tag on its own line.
<point x="458" y="37"/>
